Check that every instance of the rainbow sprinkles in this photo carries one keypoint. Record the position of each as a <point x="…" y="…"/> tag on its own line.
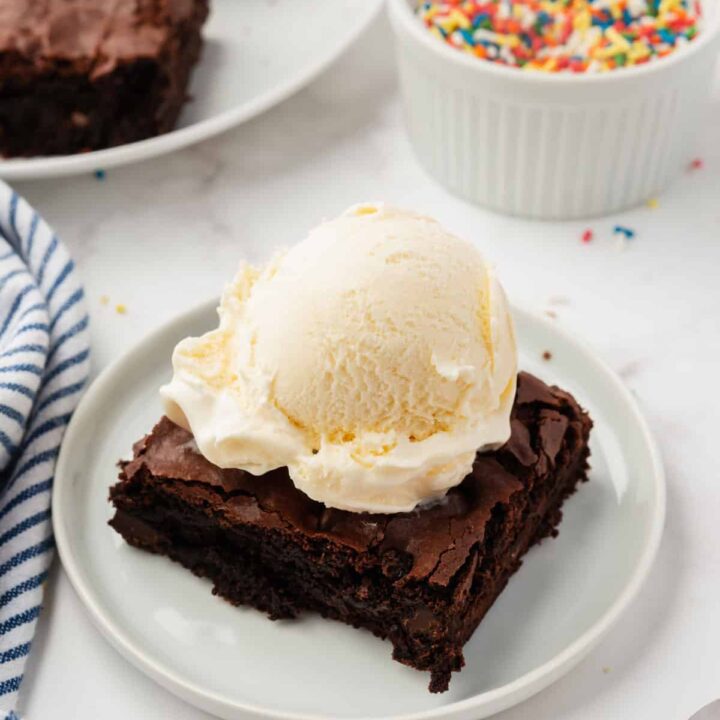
<point x="565" y="35"/>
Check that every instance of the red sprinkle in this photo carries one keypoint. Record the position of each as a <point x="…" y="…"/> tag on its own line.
<point x="696" y="164"/>
<point x="587" y="236"/>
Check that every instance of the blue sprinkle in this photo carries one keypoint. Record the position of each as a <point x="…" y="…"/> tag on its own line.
<point x="99" y="174"/>
<point x="467" y="34"/>
<point x="479" y="19"/>
<point x="627" y="232"/>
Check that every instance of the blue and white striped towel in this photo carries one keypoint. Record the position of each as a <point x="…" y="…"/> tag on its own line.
<point x="44" y="362"/>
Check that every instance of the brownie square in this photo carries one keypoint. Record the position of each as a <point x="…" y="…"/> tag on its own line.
<point x="422" y="579"/>
<point x="79" y="75"/>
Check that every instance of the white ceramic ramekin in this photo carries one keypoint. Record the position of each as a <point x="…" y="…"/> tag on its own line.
<point x="551" y="146"/>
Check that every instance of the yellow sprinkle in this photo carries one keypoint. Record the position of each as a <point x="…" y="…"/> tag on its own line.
<point x="617" y="39"/>
<point x="606" y="52"/>
<point x="517" y="12"/>
<point x="652" y="203"/>
<point x="104" y="299"/>
<point x="582" y="21"/>
<point x="120" y="309"/>
<point x="637" y="51"/>
<point x="550" y="64"/>
<point x="615" y="11"/>
<point x="552" y="8"/>
<point x="606" y="669"/>
<point x="431" y="12"/>
<point x="510" y="40"/>
<point x="461" y="20"/>
<point x="447" y="23"/>
<point x="366" y="210"/>
<point x="436" y="32"/>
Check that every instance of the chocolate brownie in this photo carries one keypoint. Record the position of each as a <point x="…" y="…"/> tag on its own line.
<point x="422" y="579"/>
<point x="79" y="75"/>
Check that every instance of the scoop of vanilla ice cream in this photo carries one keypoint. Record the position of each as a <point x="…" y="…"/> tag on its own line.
<point x="373" y="359"/>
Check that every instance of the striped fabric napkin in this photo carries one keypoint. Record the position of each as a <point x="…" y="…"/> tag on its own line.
<point x="44" y="362"/>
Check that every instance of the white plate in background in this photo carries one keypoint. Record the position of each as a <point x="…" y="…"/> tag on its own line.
<point x="236" y="663"/>
<point x="256" y="54"/>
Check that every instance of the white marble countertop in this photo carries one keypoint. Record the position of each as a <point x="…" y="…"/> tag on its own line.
<point x="159" y="237"/>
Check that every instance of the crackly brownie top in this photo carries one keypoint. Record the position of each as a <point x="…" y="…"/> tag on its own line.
<point x="438" y="537"/>
<point x="89" y="36"/>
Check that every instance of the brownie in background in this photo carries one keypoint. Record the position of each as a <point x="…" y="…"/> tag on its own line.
<point x="81" y="75"/>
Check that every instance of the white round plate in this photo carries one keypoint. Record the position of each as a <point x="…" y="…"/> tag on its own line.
<point x="256" y="54"/>
<point x="236" y="663"/>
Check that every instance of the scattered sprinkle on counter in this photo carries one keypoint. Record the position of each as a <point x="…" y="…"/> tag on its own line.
<point x="104" y="299"/>
<point x="100" y="174"/>
<point x="120" y="309"/>
<point x="696" y="164"/>
<point x="652" y="203"/>
<point x="572" y="36"/>
<point x="551" y="314"/>
<point x="606" y="669"/>
<point x="547" y="356"/>
<point x="626" y="232"/>
<point x="587" y="236"/>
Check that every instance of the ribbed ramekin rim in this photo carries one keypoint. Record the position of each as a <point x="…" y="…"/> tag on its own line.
<point x="404" y="18"/>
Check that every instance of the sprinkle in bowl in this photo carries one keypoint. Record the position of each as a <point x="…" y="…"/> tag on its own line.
<point x="551" y="145"/>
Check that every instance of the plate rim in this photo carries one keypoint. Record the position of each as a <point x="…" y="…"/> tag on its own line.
<point x="487" y="703"/>
<point x="53" y="166"/>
